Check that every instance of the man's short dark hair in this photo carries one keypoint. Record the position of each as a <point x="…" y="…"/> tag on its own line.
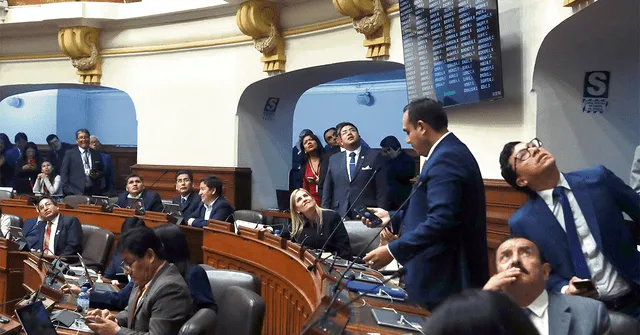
<point x="138" y="240"/>
<point x="213" y="182"/>
<point x="328" y="130"/>
<point x="42" y="197"/>
<point x="187" y="172"/>
<point x="514" y="237"/>
<point x="82" y="130"/>
<point x="19" y="136"/>
<point x="341" y="125"/>
<point x="428" y="111"/>
<point x="507" y="171"/>
<point x="132" y="175"/>
<point x="50" y="137"/>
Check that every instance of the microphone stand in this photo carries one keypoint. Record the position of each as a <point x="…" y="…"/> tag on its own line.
<point x="336" y="288"/>
<point x="315" y="261"/>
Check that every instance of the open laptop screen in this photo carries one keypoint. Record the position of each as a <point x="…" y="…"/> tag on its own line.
<point x="35" y="319"/>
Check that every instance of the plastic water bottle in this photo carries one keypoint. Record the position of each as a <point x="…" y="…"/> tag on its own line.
<point x="277" y="232"/>
<point x="83" y="301"/>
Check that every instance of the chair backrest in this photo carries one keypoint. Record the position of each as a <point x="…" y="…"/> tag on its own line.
<point x="241" y="312"/>
<point x="360" y="235"/>
<point x="250" y="216"/>
<point x="75" y="200"/>
<point x="622" y="324"/>
<point x="220" y="280"/>
<point x="96" y="245"/>
<point x="4" y="194"/>
<point x="15" y="220"/>
<point x="201" y="323"/>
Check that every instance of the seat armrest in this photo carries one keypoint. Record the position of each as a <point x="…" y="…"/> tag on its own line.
<point x="200" y="323"/>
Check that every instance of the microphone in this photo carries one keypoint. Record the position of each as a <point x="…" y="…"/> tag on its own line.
<point x="315" y="261"/>
<point x="328" y="311"/>
<point x="43" y="282"/>
<point x="235" y="225"/>
<point x="312" y="266"/>
<point x="157" y="180"/>
<point x="335" y="257"/>
<point x="25" y="297"/>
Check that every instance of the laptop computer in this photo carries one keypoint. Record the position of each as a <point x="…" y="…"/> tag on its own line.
<point x="99" y="287"/>
<point x="16" y="235"/>
<point x="283" y="199"/>
<point x="100" y="200"/>
<point x="35" y="319"/>
<point x="172" y="209"/>
<point x="137" y="205"/>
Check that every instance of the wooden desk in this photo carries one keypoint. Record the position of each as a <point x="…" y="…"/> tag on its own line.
<point x="93" y="215"/>
<point x="291" y="292"/>
<point x="13" y="327"/>
<point x="11" y="274"/>
<point x="276" y="214"/>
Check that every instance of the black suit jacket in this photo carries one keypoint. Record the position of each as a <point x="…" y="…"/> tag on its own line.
<point x="339" y="193"/>
<point x="315" y="238"/>
<point x="56" y="157"/>
<point x="150" y="200"/>
<point x="68" y="235"/>
<point x="72" y="174"/>
<point x="221" y="211"/>
<point x="191" y="206"/>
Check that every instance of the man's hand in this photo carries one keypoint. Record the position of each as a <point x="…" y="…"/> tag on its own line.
<point x="102" y="313"/>
<point x="378" y="257"/>
<point x="386" y="236"/>
<point x="379" y="212"/>
<point x="500" y="281"/>
<point x="70" y="288"/>
<point x="573" y="290"/>
<point x="101" y="325"/>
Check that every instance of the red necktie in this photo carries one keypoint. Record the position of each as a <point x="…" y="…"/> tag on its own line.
<point x="47" y="234"/>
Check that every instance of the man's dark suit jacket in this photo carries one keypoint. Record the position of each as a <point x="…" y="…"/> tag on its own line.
<point x="72" y="174"/>
<point x="443" y="238"/>
<point x="150" y="200"/>
<point x="166" y="306"/>
<point x="56" y="157"/>
<point x="68" y="235"/>
<point x="602" y="197"/>
<point x="324" y="166"/>
<point x="109" y="173"/>
<point x="339" y="193"/>
<point x="191" y="206"/>
<point x="221" y="211"/>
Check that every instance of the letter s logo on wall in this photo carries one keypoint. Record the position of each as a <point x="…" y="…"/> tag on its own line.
<point x="596" y="84"/>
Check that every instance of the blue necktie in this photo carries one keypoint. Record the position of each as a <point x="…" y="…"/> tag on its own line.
<point x="182" y="200"/>
<point x="352" y="165"/>
<point x="527" y="311"/>
<point x="579" y="262"/>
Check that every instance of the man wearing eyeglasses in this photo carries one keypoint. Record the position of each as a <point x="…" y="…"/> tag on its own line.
<point x="576" y="220"/>
<point x="51" y="232"/>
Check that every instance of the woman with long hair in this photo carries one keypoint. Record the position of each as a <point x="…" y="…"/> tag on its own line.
<point x="176" y="251"/>
<point x="311" y="162"/>
<point x="8" y="157"/>
<point x="28" y="165"/>
<point x="312" y="225"/>
<point x="47" y="181"/>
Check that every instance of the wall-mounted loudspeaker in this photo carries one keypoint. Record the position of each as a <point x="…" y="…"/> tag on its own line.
<point x="365" y="99"/>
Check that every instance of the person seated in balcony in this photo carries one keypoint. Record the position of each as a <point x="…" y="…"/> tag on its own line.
<point x="135" y="191"/>
<point x="189" y="200"/>
<point x="213" y="206"/>
<point x="48" y="181"/>
<point x="28" y="165"/>
<point x="8" y="157"/>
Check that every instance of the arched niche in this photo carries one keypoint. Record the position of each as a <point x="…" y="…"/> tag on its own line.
<point x="604" y="36"/>
<point x="264" y="136"/>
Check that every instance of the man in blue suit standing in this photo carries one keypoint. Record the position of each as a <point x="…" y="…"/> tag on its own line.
<point x="82" y="171"/>
<point x="52" y="232"/>
<point x="576" y="220"/>
<point x="349" y="172"/>
<point x="443" y="241"/>
<point x="213" y="206"/>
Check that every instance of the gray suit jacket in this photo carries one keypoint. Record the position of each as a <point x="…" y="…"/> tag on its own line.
<point x="635" y="172"/>
<point x="167" y="305"/>
<point x="572" y="315"/>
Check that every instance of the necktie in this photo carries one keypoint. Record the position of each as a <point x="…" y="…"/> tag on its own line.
<point x="85" y="158"/>
<point x="352" y="165"/>
<point x="183" y="200"/>
<point x="579" y="262"/>
<point x="527" y="311"/>
<point x="47" y="235"/>
<point x="132" y="309"/>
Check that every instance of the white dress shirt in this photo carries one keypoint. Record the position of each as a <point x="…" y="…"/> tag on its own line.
<point x="52" y="236"/>
<point x="347" y="152"/>
<point x="539" y="316"/>
<point x="606" y="279"/>
<point x="88" y="157"/>
<point x="5" y="223"/>
<point x="207" y="211"/>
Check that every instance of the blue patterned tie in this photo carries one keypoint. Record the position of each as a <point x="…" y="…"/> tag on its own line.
<point x="352" y="165"/>
<point x="579" y="262"/>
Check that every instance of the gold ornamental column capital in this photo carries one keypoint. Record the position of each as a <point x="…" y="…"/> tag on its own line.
<point x="81" y="45"/>
<point x="370" y="19"/>
<point x="261" y="21"/>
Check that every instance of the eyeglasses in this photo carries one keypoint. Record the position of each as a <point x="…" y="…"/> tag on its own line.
<point x="127" y="268"/>
<point x="525" y="153"/>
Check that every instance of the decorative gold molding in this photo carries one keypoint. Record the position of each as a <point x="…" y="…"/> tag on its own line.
<point x="195" y="44"/>
<point x="261" y="20"/>
<point x="369" y="18"/>
<point x="571" y="3"/>
<point x="80" y="44"/>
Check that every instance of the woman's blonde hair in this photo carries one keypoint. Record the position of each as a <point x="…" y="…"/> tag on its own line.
<point x="297" y="218"/>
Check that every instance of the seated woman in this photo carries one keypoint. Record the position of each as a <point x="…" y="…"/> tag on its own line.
<point x="115" y="301"/>
<point x="311" y="162"/>
<point x="48" y="181"/>
<point x="28" y="165"/>
<point x="312" y="225"/>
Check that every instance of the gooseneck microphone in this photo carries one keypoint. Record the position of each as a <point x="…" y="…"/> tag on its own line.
<point x="322" y="250"/>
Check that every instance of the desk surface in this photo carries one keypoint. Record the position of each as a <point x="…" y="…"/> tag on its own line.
<point x="276" y="214"/>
